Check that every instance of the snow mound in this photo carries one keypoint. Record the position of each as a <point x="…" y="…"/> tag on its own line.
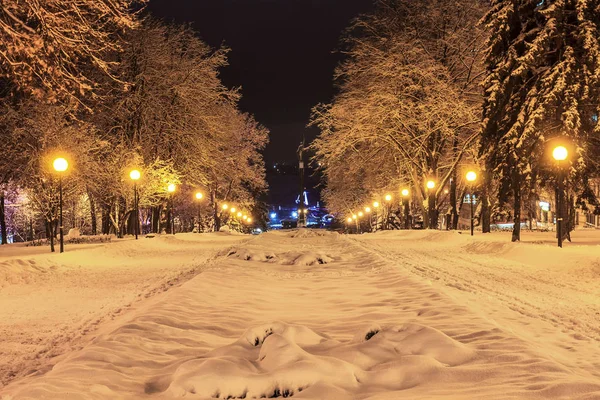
<point x="282" y="360"/>
<point x="304" y="233"/>
<point x="23" y="271"/>
<point x="296" y="258"/>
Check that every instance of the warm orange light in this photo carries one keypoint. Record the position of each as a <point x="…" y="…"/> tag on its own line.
<point x="354" y="216"/>
<point x="199" y="196"/>
<point x="560" y="153"/>
<point x="171" y="188"/>
<point x="471" y="176"/>
<point x="375" y="204"/>
<point x="430" y="184"/>
<point x="60" y="164"/>
<point x="360" y="214"/>
<point x="405" y="192"/>
<point x="349" y="219"/>
<point x="239" y="214"/>
<point x="135" y="175"/>
<point x="232" y="210"/>
<point x="388" y="197"/>
<point x="225" y="206"/>
<point x="367" y="209"/>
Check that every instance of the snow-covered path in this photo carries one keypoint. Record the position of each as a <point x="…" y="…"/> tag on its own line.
<point x="50" y="304"/>
<point x="314" y="315"/>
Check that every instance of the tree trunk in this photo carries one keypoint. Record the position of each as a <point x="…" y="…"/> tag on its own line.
<point x="431" y="210"/>
<point x="93" y="214"/>
<point x="516" y="234"/>
<point x="156" y="212"/>
<point x="105" y="219"/>
<point x="217" y="224"/>
<point x="3" y="219"/>
<point x="169" y="216"/>
<point x="486" y="212"/>
<point x="454" y="211"/>
<point x="50" y="234"/>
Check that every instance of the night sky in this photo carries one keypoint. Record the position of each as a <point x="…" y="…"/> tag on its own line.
<point x="281" y="55"/>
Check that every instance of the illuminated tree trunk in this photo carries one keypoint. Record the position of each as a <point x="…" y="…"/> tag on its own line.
<point x="486" y="213"/>
<point x="93" y="213"/>
<point x="516" y="234"/>
<point x="3" y="219"/>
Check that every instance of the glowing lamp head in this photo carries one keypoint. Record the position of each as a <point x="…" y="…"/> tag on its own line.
<point x="471" y="176"/>
<point x="294" y="214"/>
<point x="560" y="153"/>
<point x="244" y="217"/>
<point x="367" y="209"/>
<point x="199" y="196"/>
<point x="239" y="214"/>
<point x="171" y="188"/>
<point x="305" y="211"/>
<point x="430" y="184"/>
<point x="349" y="219"/>
<point x="224" y="206"/>
<point x="388" y="197"/>
<point x="405" y="192"/>
<point x="360" y="214"/>
<point x="375" y="204"/>
<point x="60" y="164"/>
<point x="354" y="216"/>
<point x="232" y="210"/>
<point x="135" y="175"/>
<point x="273" y="215"/>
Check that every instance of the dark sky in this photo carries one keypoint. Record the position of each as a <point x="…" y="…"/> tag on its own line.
<point x="281" y="55"/>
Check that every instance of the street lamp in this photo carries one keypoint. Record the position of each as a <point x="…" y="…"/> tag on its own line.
<point x="199" y="197"/>
<point x="431" y="203"/>
<point x="560" y="153"/>
<point x="135" y="175"/>
<point x="61" y="165"/>
<point x="405" y="194"/>
<point x="171" y="189"/>
<point x="471" y="178"/>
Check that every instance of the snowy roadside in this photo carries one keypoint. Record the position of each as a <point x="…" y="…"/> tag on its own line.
<point x="51" y="304"/>
<point x="545" y="295"/>
<point x="312" y="315"/>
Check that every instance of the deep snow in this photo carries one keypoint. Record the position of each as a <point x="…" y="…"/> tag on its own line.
<point x="317" y="315"/>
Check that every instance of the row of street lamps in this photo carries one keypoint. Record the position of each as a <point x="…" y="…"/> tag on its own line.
<point x="471" y="177"/>
<point x="61" y="165"/>
<point x="135" y="175"/>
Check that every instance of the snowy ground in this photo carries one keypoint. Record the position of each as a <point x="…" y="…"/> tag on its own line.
<point x="317" y="315"/>
<point x="51" y="304"/>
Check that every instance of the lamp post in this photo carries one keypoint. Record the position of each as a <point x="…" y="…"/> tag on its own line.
<point x="375" y="207"/>
<point x="405" y="194"/>
<point x="388" y="199"/>
<point x="431" y="204"/>
<point x="61" y="165"/>
<point x="471" y="178"/>
<point x="135" y="176"/>
<point x="199" y="197"/>
<point x="368" y="211"/>
<point x="560" y="153"/>
<point x="171" y="189"/>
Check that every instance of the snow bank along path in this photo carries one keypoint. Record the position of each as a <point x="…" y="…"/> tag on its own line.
<point x="309" y="315"/>
<point x="51" y="304"/>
